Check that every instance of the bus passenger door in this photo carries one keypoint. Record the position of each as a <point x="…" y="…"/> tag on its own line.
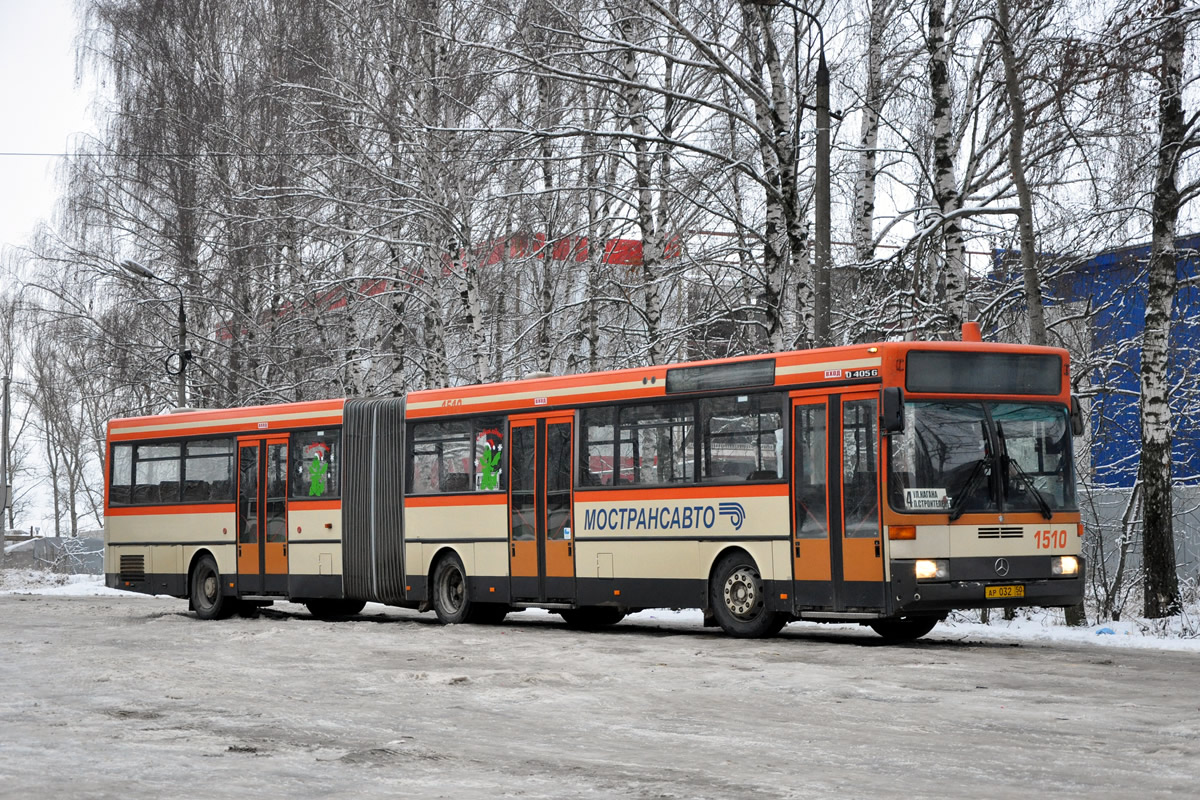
<point x="262" y="516"/>
<point x="541" y="538"/>
<point x="249" y="511"/>
<point x="862" y="585"/>
<point x="810" y="504"/>
<point x="275" y="527"/>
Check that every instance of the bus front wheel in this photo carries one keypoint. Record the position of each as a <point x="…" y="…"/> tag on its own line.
<point x="451" y="602"/>
<point x="207" y="600"/>
<point x="739" y="599"/>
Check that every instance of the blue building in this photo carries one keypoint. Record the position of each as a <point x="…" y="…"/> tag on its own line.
<point x="1106" y="294"/>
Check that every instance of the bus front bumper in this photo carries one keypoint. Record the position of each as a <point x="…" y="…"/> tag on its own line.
<point x="978" y="583"/>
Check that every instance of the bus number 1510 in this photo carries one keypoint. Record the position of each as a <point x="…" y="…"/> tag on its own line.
<point x="1050" y="540"/>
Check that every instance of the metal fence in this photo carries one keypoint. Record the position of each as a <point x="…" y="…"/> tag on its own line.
<point x="80" y="555"/>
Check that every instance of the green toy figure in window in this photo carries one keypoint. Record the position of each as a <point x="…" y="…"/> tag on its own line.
<point x="317" y="470"/>
<point x="489" y="466"/>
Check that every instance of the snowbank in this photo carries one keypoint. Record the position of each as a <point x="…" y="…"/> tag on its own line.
<point x="32" y="581"/>
<point x="1030" y="626"/>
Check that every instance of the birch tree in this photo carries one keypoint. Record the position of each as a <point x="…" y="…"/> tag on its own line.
<point x="1161" y="587"/>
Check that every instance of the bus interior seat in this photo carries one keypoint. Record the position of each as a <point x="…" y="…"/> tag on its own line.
<point x="196" y="490"/>
<point x="456" y="482"/>
<point x="219" y="490"/>
<point x="763" y="475"/>
<point x="168" y="491"/>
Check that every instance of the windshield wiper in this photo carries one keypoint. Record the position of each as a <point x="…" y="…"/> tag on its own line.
<point x="960" y="502"/>
<point x="1028" y="481"/>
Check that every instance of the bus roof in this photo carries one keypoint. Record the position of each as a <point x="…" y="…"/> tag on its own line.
<point x="199" y="422"/>
<point x="848" y="365"/>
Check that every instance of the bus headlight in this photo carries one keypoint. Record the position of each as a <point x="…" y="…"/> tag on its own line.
<point x="1064" y="565"/>
<point x="929" y="569"/>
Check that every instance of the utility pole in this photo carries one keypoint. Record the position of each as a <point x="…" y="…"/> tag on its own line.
<point x="5" y="480"/>
<point x="823" y="263"/>
<point x="824" y="260"/>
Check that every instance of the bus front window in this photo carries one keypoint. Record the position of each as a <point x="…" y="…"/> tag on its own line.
<point x="1035" y="447"/>
<point x="963" y="457"/>
<point x="942" y="461"/>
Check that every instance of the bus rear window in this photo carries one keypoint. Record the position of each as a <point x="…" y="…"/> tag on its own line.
<point x="983" y="373"/>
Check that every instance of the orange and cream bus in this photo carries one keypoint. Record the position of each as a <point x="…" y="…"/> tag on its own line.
<point x="880" y="484"/>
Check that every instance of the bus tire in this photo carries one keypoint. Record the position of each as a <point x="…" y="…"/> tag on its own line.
<point x="592" y="618"/>
<point x="328" y="608"/>
<point x="904" y="629"/>
<point x="451" y="601"/>
<point x="739" y="599"/>
<point x="207" y="599"/>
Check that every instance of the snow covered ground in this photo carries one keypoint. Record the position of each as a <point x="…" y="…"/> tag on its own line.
<point x="110" y="694"/>
<point x="1031" y="625"/>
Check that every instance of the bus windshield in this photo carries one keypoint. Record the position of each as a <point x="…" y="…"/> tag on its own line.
<point x="971" y="457"/>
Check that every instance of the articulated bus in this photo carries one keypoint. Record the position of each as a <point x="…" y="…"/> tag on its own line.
<point x="884" y="485"/>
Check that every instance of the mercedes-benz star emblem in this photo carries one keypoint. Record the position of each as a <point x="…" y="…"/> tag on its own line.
<point x="1001" y="567"/>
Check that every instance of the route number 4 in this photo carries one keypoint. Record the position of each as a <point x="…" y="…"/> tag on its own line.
<point x="1049" y="540"/>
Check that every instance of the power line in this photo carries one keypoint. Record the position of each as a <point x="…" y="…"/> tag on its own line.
<point x="15" y="154"/>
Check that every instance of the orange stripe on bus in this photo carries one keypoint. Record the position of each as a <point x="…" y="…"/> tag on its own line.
<point x="299" y="504"/>
<point x="223" y="427"/>
<point x="244" y="413"/>
<point x="683" y="493"/>
<point x="497" y="499"/>
<point x="153" y="511"/>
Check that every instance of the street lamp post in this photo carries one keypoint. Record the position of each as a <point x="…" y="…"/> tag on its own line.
<point x="139" y="271"/>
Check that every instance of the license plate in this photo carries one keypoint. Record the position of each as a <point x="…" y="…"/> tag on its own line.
<point x="992" y="592"/>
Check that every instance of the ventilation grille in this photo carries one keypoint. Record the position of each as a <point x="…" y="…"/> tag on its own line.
<point x="133" y="568"/>
<point x="1001" y="533"/>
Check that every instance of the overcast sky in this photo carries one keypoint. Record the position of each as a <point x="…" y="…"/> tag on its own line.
<point x="40" y="108"/>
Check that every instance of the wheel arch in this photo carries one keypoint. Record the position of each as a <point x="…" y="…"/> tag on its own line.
<point x="191" y="571"/>
<point x="719" y="556"/>
<point x="442" y="553"/>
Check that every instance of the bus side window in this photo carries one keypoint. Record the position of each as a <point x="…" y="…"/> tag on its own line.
<point x="120" y="491"/>
<point x="657" y="443"/>
<point x="155" y="468"/>
<point x="439" y="451"/>
<point x="316" y="463"/>
<point x="208" y="470"/>
<point x="597" y="452"/>
<point x="742" y="438"/>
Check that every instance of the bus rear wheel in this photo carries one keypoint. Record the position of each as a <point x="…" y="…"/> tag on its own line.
<point x="207" y="600"/>
<point x="739" y="599"/>
<point x="591" y="618"/>
<point x="327" y="608"/>
<point x="904" y="629"/>
<point x="451" y="602"/>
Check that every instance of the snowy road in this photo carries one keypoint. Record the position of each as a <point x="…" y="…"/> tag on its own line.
<point x="129" y="697"/>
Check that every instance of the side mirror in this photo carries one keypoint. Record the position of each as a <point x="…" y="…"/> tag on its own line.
<point x="1076" y="417"/>
<point x="892" y="418"/>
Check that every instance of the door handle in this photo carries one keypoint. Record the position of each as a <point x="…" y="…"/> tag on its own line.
<point x="877" y="548"/>
<point x="514" y="550"/>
